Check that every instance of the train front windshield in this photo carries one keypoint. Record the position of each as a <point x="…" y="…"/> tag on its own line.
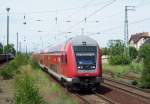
<point x="85" y="57"/>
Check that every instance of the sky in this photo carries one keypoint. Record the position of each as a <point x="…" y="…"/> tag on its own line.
<point x="52" y="21"/>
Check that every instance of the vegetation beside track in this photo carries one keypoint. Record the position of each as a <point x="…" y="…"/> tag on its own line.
<point x="124" y="61"/>
<point x="13" y="67"/>
<point x="121" y="70"/>
<point x="131" y="72"/>
<point x="120" y="64"/>
<point x="145" y="55"/>
<point x="31" y="84"/>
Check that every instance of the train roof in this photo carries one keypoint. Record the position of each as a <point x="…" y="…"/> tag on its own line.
<point x="79" y="40"/>
<point x="76" y="41"/>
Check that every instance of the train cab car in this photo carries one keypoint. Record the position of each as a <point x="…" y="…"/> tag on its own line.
<point x="77" y="62"/>
<point x="87" y="62"/>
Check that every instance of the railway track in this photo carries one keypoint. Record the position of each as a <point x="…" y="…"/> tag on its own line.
<point x="94" y="98"/>
<point x="83" y="99"/>
<point x="108" y="93"/>
<point x="132" y="91"/>
<point x="73" y="95"/>
<point x="112" y="96"/>
<point x="126" y="84"/>
<point x="110" y="101"/>
<point x="90" y="97"/>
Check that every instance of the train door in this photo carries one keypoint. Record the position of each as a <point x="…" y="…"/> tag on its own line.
<point x="49" y="63"/>
<point x="59" y="65"/>
<point x="41" y="59"/>
<point x="46" y="60"/>
<point x="63" y="63"/>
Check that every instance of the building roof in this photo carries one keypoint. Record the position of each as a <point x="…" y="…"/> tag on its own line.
<point x="136" y="37"/>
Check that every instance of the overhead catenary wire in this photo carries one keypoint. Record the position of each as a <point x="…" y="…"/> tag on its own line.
<point x="59" y="10"/>
<point x="93" y="13"/>
<point x="131" y="23"/>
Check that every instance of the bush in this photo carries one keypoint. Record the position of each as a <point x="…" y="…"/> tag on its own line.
<point x="8" y="70"/>
<point x="116" y="47"/>
<point x="133" y="53"/>
<point x="136" y="67"/>
<point x="104" y="51"/>
<point x="6" y="74"/>
<point x="10" y="49"/>
<point x="145" y="54"/>
<point x="34" y="64"/>
<point x="134" y="82"/>
<point x="119" y="60"/>
<point x="21" y="59"/>
<point x="13" y="66"/>
<point x="26" y="91"/>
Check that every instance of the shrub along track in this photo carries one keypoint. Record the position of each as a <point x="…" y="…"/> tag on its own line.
<point x="123" y="93"/>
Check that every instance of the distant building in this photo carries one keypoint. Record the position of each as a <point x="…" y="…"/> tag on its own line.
<point x="147" y="41"/>
<point x="136" y="40"/>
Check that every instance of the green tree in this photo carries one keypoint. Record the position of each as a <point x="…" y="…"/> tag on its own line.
<point x="133" y="53"/>
<point x="1" y="48"/>
<point x="144" y="53"/>
<point x="117" y="56"/>
<point x="9" y="49"/>
<point x="116" y="47"/>
<point x="105" y="51"/>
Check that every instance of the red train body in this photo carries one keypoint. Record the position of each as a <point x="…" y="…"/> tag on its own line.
<point x="77" y="62"/>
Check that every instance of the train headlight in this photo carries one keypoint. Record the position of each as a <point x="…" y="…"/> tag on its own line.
<point x="80" y="67"/>
<point x="93" y="67"/>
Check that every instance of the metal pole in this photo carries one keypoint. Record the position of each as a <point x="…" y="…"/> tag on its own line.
<point x="20" y="48"/>
<point x="82" y="31"/>
<point x="3" y="44"/>
<point x="7" y="9"/>
<point x="24" y="50"/>
<point x="3" y="48"/>
<point x="17" y="42"/>
<point x="126" y="35"/>
<point x="125" y="31"/>
<point x="125" y="22"/>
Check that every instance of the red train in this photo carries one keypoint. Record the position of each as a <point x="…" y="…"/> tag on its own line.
<point x="76" y="62"/>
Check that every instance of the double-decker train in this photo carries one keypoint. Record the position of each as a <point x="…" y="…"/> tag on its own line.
<point x="76" y="62"/>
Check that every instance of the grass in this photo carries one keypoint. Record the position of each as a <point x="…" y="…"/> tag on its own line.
<point x="32" y="85"/>
<point x="26" y="91"/>
<point x="51" y="92"/>
<point x="123" y="69"/>
<point x="133" y="70"/>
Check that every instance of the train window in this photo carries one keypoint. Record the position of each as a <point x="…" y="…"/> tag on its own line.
<point x="85" y="48"/>
<point x="64" y="58"/>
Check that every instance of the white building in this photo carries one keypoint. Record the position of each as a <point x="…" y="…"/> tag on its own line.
<point x="136" y="40"/>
